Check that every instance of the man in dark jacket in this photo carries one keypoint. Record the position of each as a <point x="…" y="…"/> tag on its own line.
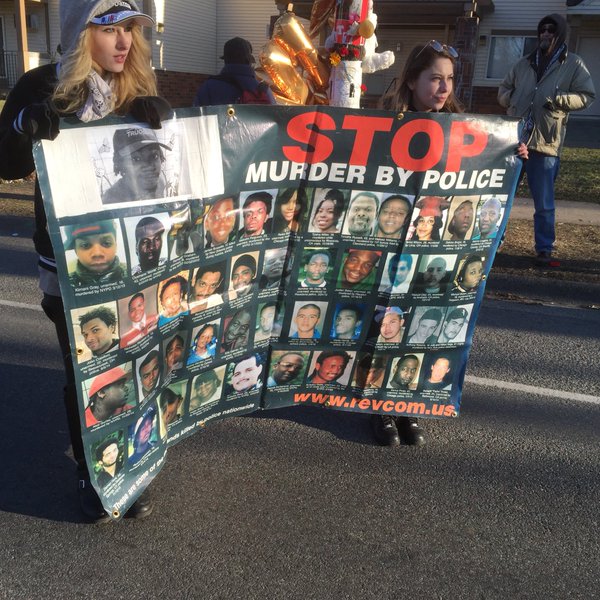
<point x="236" y="76"/>
<point x="543" y="88"/>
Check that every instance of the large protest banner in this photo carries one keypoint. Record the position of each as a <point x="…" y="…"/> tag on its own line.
<point x="255" y="257"/>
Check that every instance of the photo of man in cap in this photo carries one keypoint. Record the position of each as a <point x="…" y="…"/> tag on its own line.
<point x="108" y="396"/>
<point x="138" y="159"/>
<point x="95" y="246"/>
<point x="288" y="368"/>
<point x="236" y="76"/>
<point x="149" y="244"/>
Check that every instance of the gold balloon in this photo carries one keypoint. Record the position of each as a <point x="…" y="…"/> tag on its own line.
<point x="286" y="80"/>
<point x="289" y="33"/>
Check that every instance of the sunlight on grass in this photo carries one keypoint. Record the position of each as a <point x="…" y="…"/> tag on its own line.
<point x="578" y="178"/>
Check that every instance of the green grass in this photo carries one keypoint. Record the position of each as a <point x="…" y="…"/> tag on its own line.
<point x="579" y="176"/>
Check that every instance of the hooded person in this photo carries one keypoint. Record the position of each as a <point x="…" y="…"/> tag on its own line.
<point x="236" y="76"/>
<point x="543" y="88"/>
<point x="104" y="68"/>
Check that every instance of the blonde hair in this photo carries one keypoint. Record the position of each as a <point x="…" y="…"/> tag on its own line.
<point x="400" y="97"/>
<point x="136" y="79"/>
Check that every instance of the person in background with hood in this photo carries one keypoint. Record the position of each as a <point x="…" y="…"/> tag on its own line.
<point x="237" y="75"/>
<point x="104" y="69"/>
<point x="543" y="88"/>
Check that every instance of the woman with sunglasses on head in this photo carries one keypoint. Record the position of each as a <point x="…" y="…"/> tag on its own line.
<point x="104" y="69"/>
<point x="426" y="85"/>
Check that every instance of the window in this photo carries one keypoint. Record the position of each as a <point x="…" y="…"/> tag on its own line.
<point x="505" y="51"/>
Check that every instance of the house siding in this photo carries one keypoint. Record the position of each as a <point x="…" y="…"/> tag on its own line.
<point x="504" y="18"/>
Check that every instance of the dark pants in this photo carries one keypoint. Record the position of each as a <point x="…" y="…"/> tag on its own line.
<point x="55" y="311"/>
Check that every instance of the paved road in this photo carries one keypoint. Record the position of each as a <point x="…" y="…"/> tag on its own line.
<point x="299" y="503"/>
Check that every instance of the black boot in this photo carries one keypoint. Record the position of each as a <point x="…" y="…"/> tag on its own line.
<point x="384" y="430"/>
<point x="142" y="507"/>
<point x="410" y="432"/>
<point x="89" y="502"/>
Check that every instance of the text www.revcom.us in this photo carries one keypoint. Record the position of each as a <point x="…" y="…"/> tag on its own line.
<point x="374" y="405"/>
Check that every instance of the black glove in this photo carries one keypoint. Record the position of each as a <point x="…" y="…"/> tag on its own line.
<point x="151" y="110"/>
<point x="39" y="121"/>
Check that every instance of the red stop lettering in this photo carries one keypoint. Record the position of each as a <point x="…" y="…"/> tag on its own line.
<point x="304" y="128"/>
<point x="401" y="142"/>
<point x="365" y="130"/>
<point x="458" y="150"/>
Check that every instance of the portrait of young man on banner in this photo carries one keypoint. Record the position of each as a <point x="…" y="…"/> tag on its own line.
<point x="331" y="368"/>
<point x="316" y="269"/>
<point x="434" y="274"/>
<point x="398" y="273"/>
<point x="109" y="454"/>
<point x="96" y="331"/>
<point x="149" y="370"/>
<point x="236" y="330"/>
<point x="461" y="218"/>
<point x="245" y="375"/>
<point x="174" y="350"/>
<point x="147" y="243"/>
<point x="221" y="222"/>
<point x="393" y="216"/>
<point x="425" y="325"/>
<point x="267" y="323"/>
<point x="288" y="368"/>
<point x="140" y="314"/>
<point x="358" y="270"/>
<point x="404" y="374"/>
<point x="137" y="169"/>
<point x="208" y="287"/>
<point x="256" y="210"/>
<point x="108" y="395"/>
<point x="95" y="253"/>
<point x="347" y="321"/>
<point x="243" y="282"/>
<point x="470" y="273"/>
<point x="307" y="320"/>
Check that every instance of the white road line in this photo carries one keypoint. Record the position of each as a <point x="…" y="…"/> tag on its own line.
<point x="532" y="389"/>
<point x="20" y="305"/>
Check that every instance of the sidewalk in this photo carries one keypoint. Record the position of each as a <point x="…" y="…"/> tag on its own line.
<point x="586" y="213"/>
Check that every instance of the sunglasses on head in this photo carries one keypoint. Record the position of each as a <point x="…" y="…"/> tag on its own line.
<point x="548" y="28"/>
<point x="439" y="48"/>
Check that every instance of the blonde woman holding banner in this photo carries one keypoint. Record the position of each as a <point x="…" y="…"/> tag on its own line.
<point x="104" y="69"/>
